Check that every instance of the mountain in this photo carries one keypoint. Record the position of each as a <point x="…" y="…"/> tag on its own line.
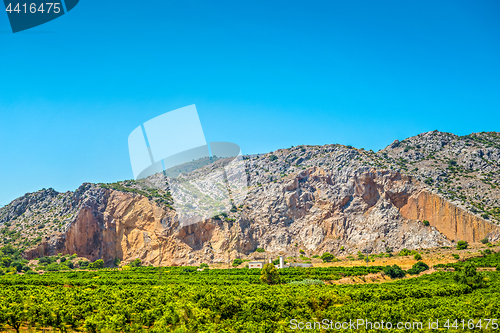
<point x="331" y="198"/>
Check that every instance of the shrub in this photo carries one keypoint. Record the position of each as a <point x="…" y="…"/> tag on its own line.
<point x="456" y="256"/>
<point x="270" y="275"/>
<point x="462" y="245"/>
<point x="418" y="268"/>
<point x="417" y="256"/>
<point x="273" y="157"/>
<point x="97" y="264"/>
<point x="327" y="257"/>
<point x="18" y="266"/>
<point x="136" y="263"/>
<point x="315" y="256"/>
<point x="404" y="252"/>
<point x="68" y="265"/>
<point x="62" y="259"/>
<point x="52" y="267"/>
<point x="342" y="248"/>
<point x="117" y="262"/>
<point x="203" y="265"/>
<point x="485" y="240"/>
<point x="394" y="271"/>
<point x="259" y="249"/>
<point x="301" y="251"/>
<point x="277" y="261"/>
<point x="237" y="262"/>
<point x="426" y="223"/>
<point x="6" y="261"/>
<point x="498" y="268"/>
<point x="83" y="263"/>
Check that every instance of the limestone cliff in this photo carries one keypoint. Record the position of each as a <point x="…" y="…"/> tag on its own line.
<point x="450" y="220"/>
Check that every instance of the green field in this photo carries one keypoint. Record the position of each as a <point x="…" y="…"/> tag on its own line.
<point x="182" y="299"/>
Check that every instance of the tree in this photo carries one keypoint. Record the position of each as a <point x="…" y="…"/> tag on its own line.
<point x="270" y="275"/>
<point x="485" y="240"/>
<point x="417" y="256"/>
<point x="394" y="271"/>
<point x="19" y="267"/>
<point x="327" y="257"/>
<point x="418" y="268"/>
<point x="237" y="262"/>
<point x="462" y="245"/>
<point x="470" y="276"/>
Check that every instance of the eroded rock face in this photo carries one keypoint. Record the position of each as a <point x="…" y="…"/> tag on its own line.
<point x="366" y="211"/>
<point x="452" y="221"/>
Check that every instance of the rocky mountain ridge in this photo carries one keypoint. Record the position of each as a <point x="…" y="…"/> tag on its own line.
<point x="317" y="198"/>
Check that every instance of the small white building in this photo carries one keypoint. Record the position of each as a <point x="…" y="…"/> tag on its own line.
<point x="256" y="264"/>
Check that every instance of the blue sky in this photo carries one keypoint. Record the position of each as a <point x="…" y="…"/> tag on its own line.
<point x="263" y="74"/>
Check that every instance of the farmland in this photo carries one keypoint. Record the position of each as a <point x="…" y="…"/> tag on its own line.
<point x="185" y="299"/>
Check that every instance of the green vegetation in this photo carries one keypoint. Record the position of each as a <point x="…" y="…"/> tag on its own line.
<point x="418" y="268"/>
<point x="327" y="257"/>
<point x="237" y="262"/>
<point x="394" y="271"/>
<point x="182" y="299"/>
<point x="158" y="196"/>
<point x="426" y="223"/>
<point x="405" y="252"/>
<point x="260" y="250"/>
<point x="136" y="263"/>
<point x="462" y="245"/>
<point x="470" y="276"/>
<point x="270" y="275"/>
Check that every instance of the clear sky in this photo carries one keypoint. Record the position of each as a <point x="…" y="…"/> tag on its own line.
<point x="263" y="74"/>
